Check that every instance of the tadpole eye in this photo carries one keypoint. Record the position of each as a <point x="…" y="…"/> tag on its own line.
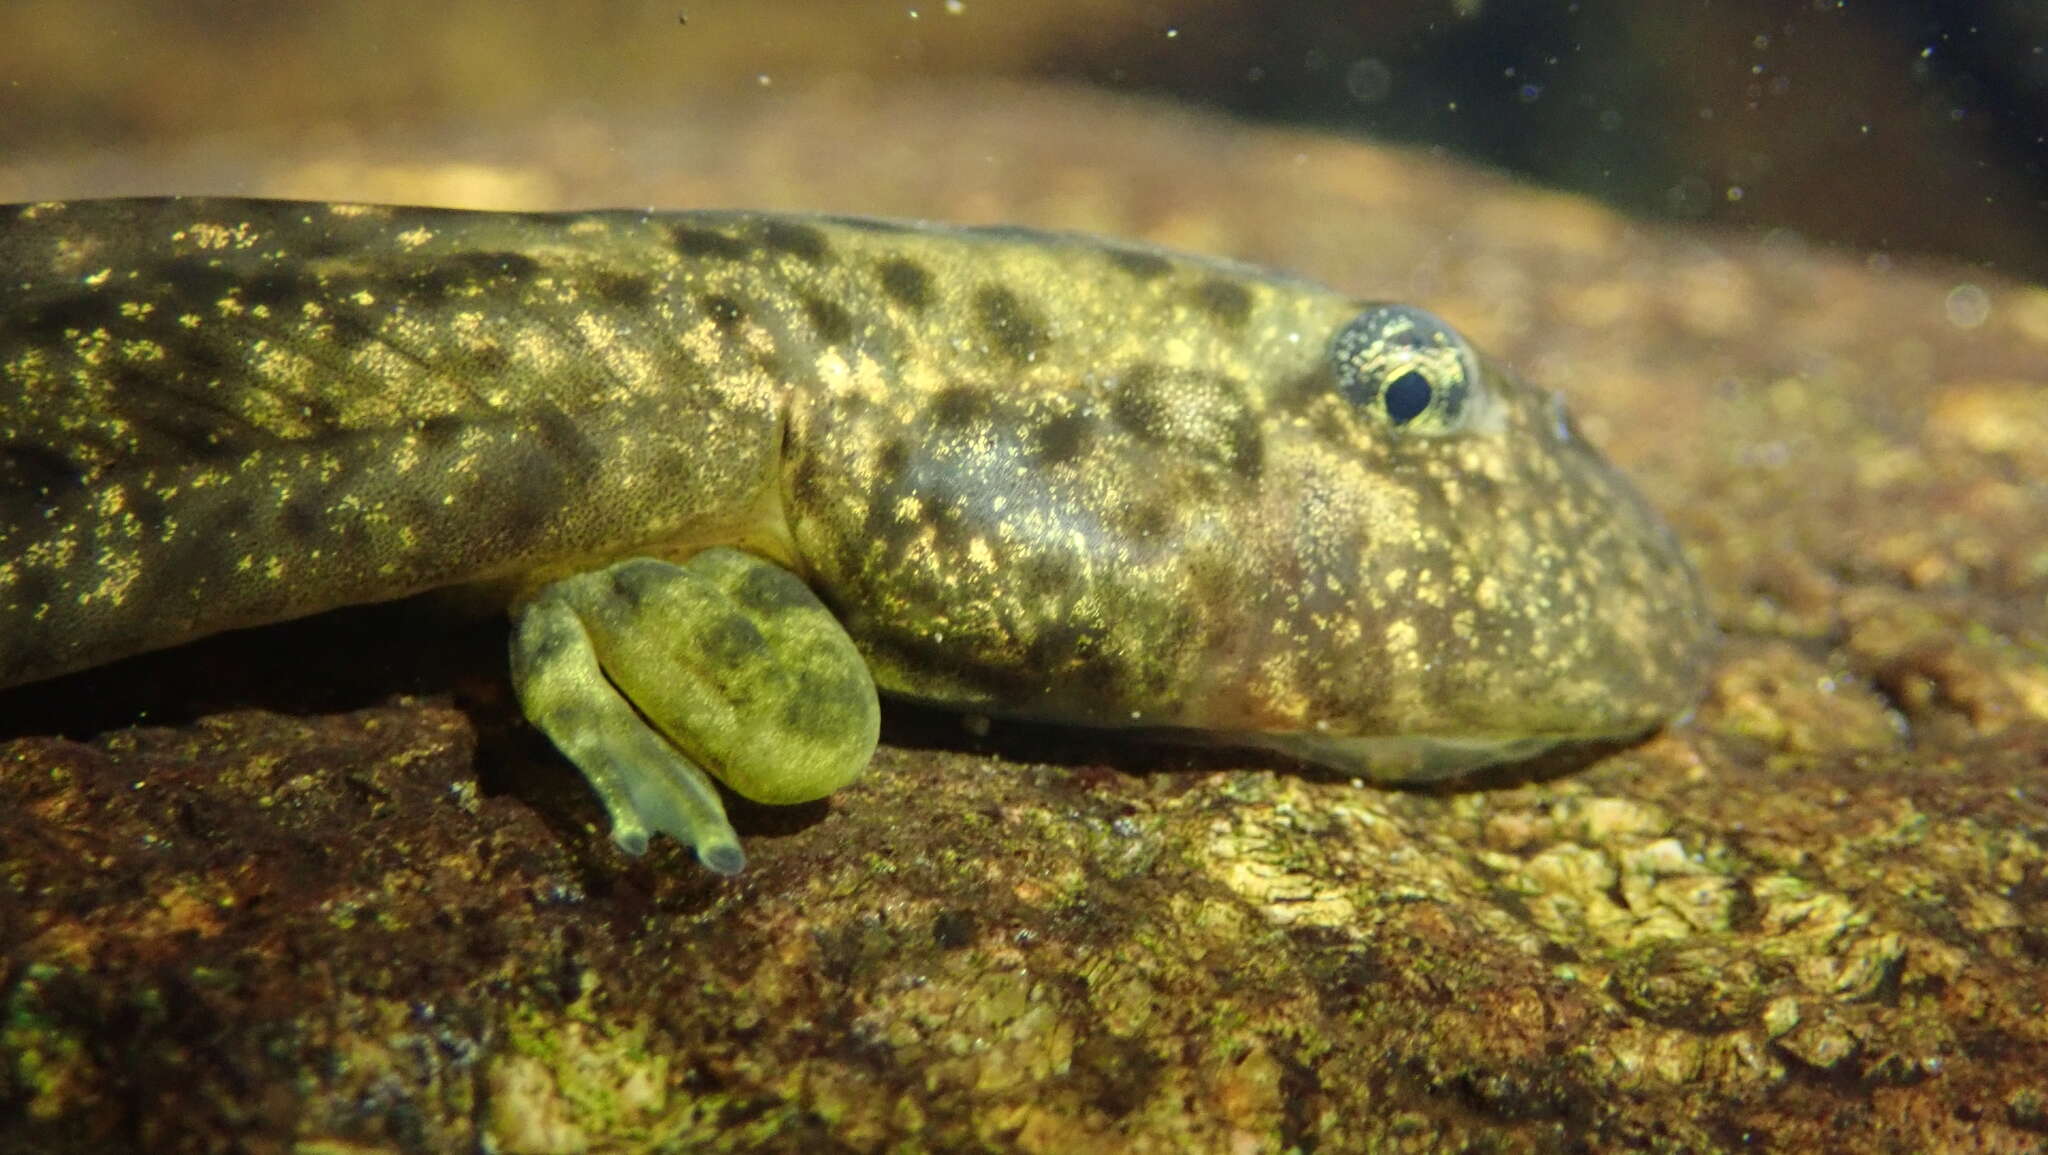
<point x="1407" y="397"/>
<point x="1406" y="368"/>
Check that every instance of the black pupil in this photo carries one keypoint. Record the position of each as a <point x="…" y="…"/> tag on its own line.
<point x="1406" y="397"/>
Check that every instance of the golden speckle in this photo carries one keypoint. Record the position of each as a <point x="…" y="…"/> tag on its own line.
<point x="1401" y="637"/>
<point x="1487" y="593"/>
<point x="210" y="236"/>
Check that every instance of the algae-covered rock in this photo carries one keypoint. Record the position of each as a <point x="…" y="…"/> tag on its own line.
<point x="315" y="888"/>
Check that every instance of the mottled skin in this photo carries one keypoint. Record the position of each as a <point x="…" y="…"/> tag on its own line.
<point x="1047" y="476"/>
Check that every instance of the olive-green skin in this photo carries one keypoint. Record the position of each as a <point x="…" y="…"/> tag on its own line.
<point x="1038" y="475"/>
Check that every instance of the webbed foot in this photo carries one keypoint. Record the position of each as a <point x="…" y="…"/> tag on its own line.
<point x="742" y="670"/>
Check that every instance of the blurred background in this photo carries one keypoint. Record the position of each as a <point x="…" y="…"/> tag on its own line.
<point x="1891" y="126"/>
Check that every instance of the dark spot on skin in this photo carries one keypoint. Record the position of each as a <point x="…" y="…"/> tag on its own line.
<point x="1062" y="650"/>
<point x="517" y="266"/>
<point x="433" y="284"/>
<point x="351" y="532"/>
<point x="633" y="581"/>
<point x="193" y="282"/>
<point x="417" y="509"/>
<point x="837" y="699"/>
<point x="1215" y="584"/>
<point x="230" y="515"/>
<point x="194" y="353"/>
<point x="323" y="245"/>
<point x="731" y="642"/>
<point x="343" y="297"/>
<point x="1063" y="438"/>
<point x="302" y="518"/>
<point x="1041" y="574"/>
<point x="809" y="710"/>
<point x="948" y="521"/>
<point x="488" y="359"/>
<point x="148" y="508"/>
<point x="945" y="662"/>
<point x="700" y="244"/>
<point x="958" y="405"/>
<point x="441" y="431"/>
<point x="197" y="425"/>
<point x="1142" y="265"/>
<point x="274" y="289"/>
<point x="725" y="312"/>
<point x="1136" y="404"/>
<point x="907" y="283"/>
<point x="320" y="411"/>
<point x="833" y="324"/>
<point x="800" y="241"/>
<point x="26" y="467"/>
<point x="803" y="481"/>
<point x="625" y="290"/>
<point x="33" y="586"/>
<point x="520" y="502"/>
<point x="206" y="425"/>
<point x="1365" y="692"/>
<point x="882" y="525"/>
<point x="542" y="640"/>
<point x="853" y="405"/>
<point x="82" y="312"/>
<point x="564" y="441"/>
<point x="1202" y="415"/>
<point x="1228" y="302"/>
<point x="550" y="457"/>
<point x="1008" y="324"/>
<point x="1145" y="521"/>
<point x="891" y="459"/>
<point x="1103" y="676"/>
<point x="771" y="591"/>
<point x="1175" y="633"/>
